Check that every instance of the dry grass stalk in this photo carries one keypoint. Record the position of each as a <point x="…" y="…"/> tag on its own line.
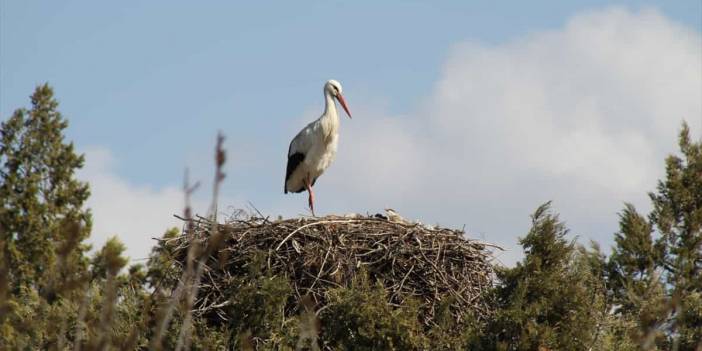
<point x="188" y="284"/>
<point x="196" y="265"/>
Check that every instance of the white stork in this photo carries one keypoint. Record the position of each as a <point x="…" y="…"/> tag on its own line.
<point x="314" y="147"/>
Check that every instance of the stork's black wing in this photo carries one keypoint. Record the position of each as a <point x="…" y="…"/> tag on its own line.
<point x="294" y="160"/>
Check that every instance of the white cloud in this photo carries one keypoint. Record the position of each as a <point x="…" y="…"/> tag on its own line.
<point x="136" y="214"/>
<point x="583" y="115"/>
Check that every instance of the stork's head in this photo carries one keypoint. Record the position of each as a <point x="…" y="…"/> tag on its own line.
<point x="334" y="89"/>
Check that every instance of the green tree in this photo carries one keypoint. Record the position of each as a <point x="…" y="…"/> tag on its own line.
<point x="633" y="260"/>
<point x="637" y="292"/>
<point x="550" y="300"/>
<point x="42" y="227"/>
<point x="359" y="319"/>
<point x="677" y="214"/>
<point x="39" y="195"/>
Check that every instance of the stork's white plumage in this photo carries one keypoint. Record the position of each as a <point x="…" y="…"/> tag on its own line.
<point x="313" y="149"/>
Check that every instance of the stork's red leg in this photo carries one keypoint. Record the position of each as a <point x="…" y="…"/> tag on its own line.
<point x="311" y="196"/>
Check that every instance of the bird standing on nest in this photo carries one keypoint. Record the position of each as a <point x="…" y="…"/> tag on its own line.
<point x="313" y="149"/>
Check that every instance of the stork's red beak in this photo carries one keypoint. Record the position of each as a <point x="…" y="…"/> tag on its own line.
<point x="343" y="104"/>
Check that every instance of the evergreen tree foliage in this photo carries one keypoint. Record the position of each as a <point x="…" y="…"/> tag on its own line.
<point x="257" y="306"/>
<point x="637" y="292"/>
<point x="359" y="319"/>
<point x="42" y="221"/>
<point x="677" y="214"/>
<point x="551" y="300"/>
<point x="38" y="191"/>
<point x="634" y="258"/>
<point x="654" y="270"/>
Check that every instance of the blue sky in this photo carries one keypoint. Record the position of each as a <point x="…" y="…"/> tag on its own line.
<point x="147" y="85"/>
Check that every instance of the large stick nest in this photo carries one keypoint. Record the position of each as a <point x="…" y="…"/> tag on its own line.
<point x="429" y="264"/>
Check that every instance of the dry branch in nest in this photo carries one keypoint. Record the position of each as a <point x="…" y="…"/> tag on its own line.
<point x="410" y="260"/>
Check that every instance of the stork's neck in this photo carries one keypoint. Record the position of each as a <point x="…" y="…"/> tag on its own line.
<point x="330" y="118"/>
<point x="329" y="106"/>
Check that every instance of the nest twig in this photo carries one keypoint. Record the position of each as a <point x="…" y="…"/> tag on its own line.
<point x="411" y="260"/>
